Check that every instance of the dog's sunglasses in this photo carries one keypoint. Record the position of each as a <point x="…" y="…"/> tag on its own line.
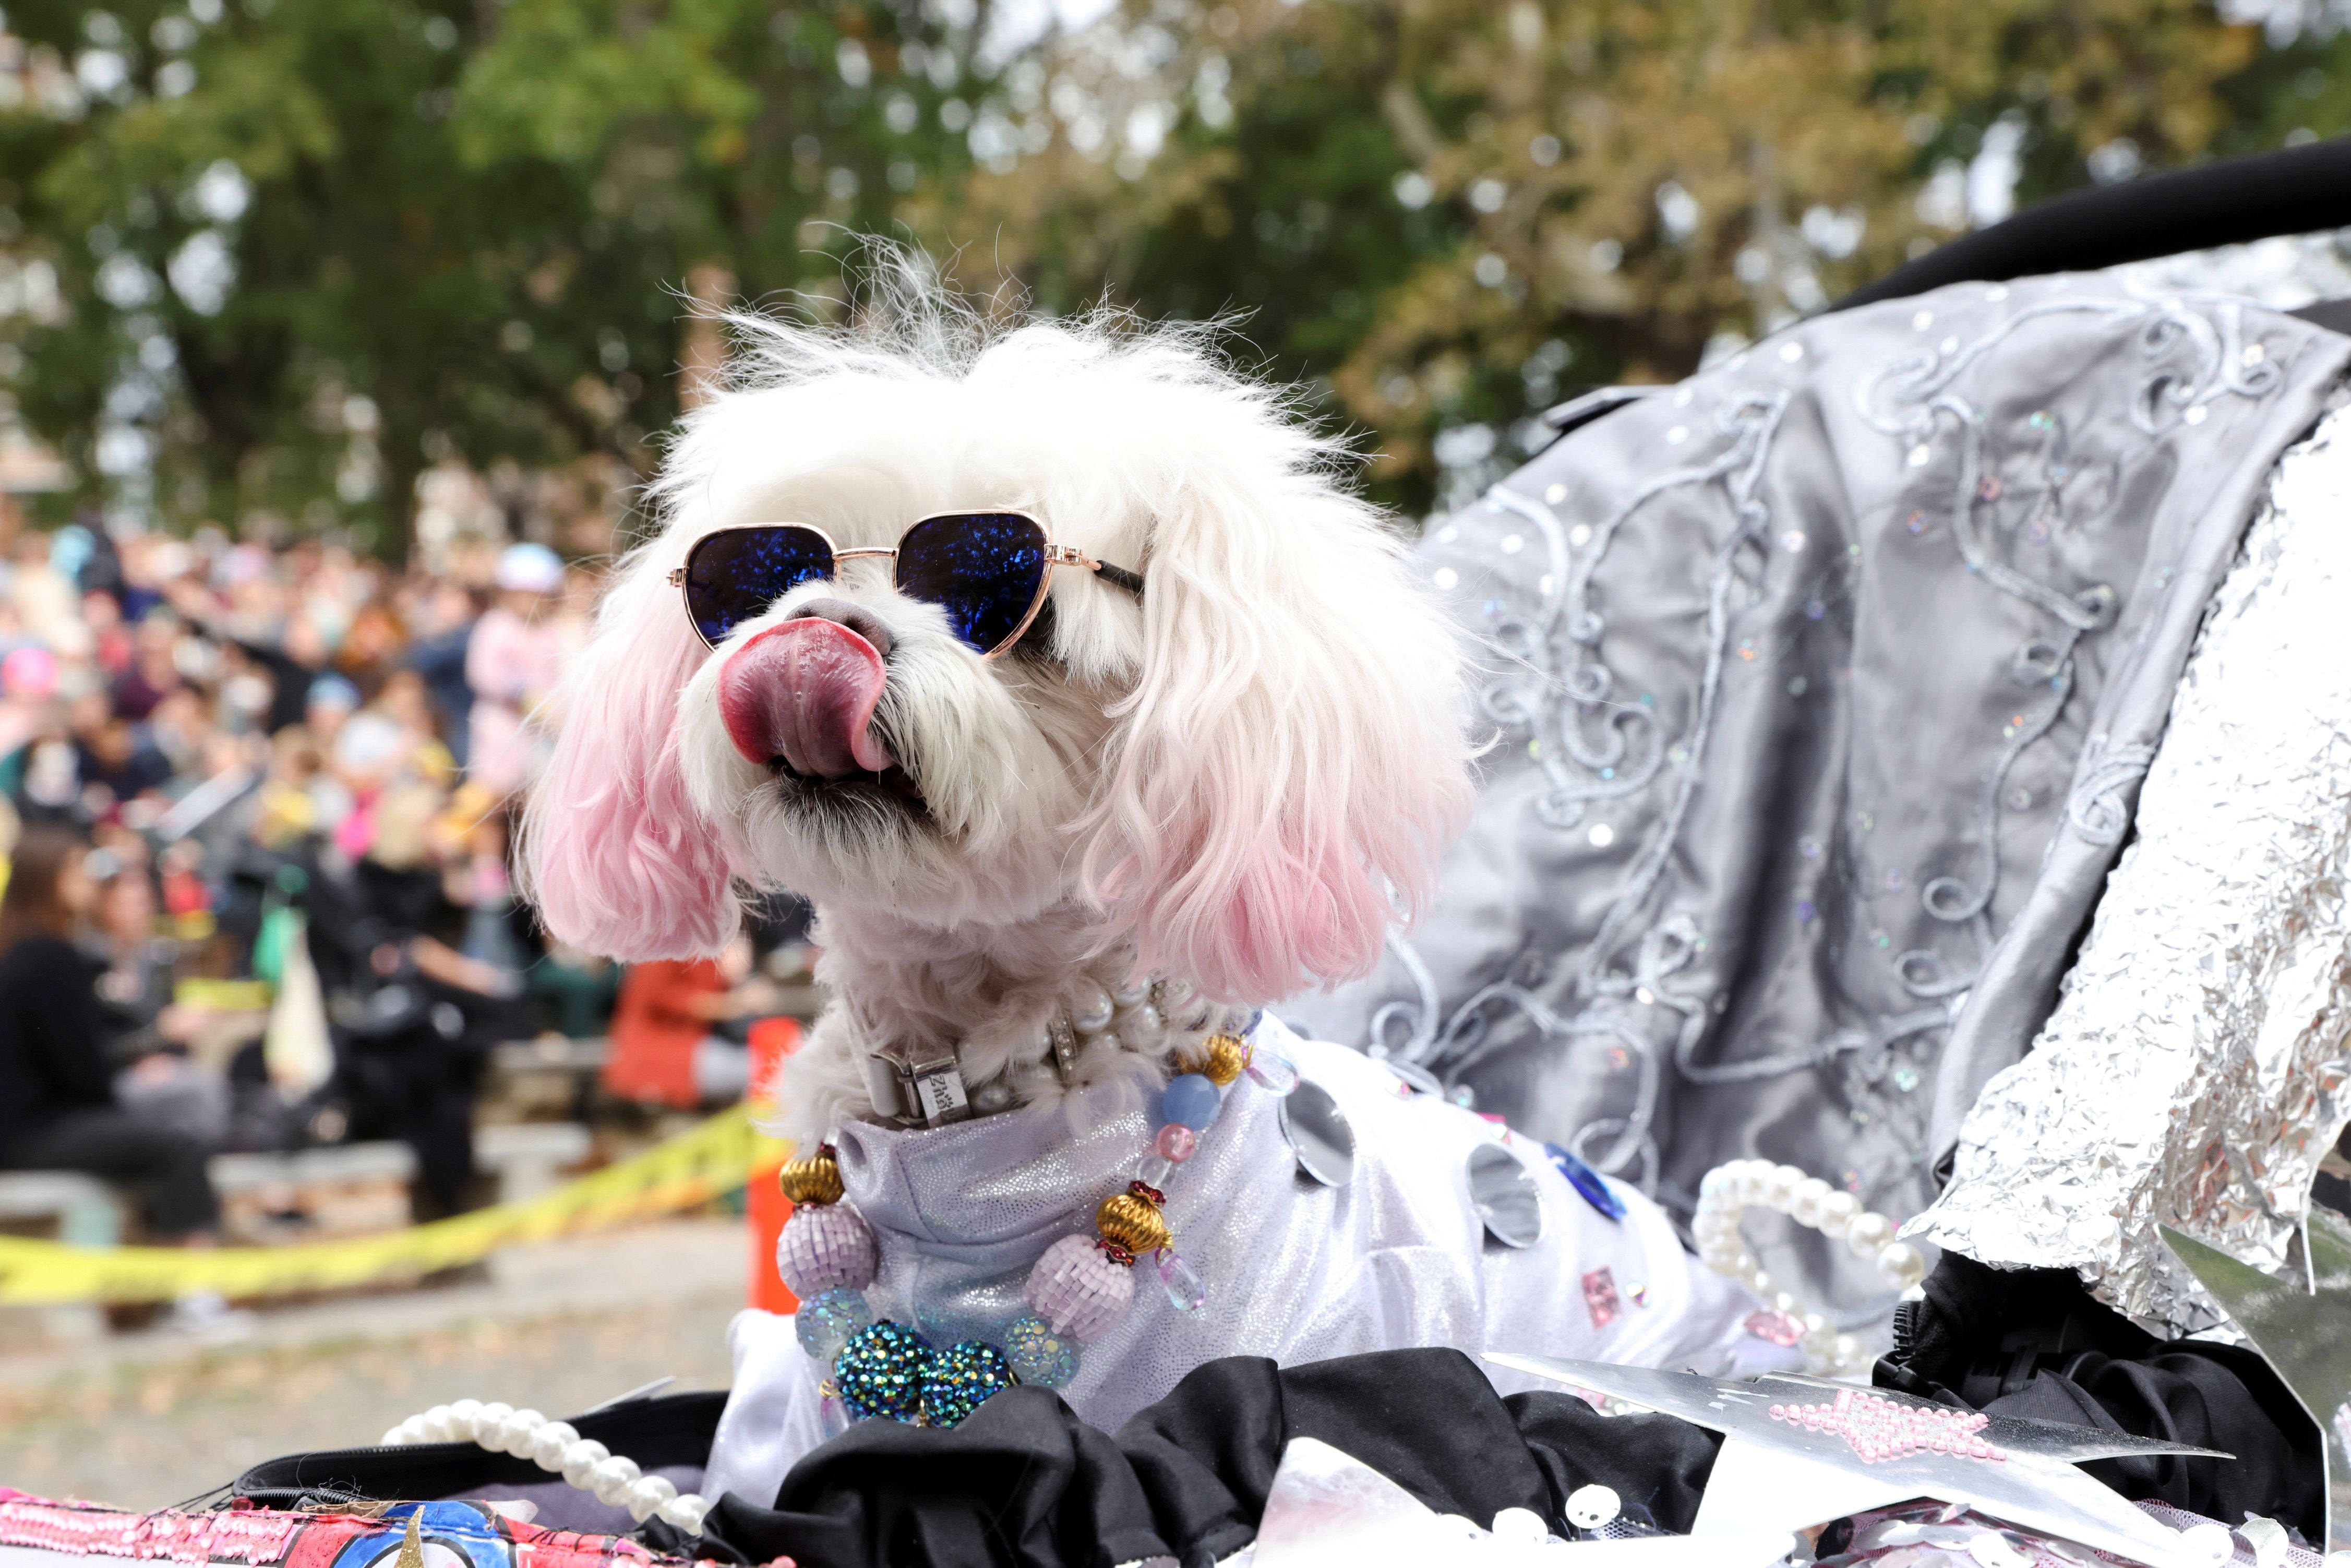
<point x="989" y="570"/>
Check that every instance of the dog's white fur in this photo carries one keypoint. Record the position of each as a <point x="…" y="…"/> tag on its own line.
<point x="1241" y="780"/>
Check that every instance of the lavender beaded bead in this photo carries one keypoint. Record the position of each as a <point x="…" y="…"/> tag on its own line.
<point x="826" y="1247"/>
<point x="1079" y="1290"/>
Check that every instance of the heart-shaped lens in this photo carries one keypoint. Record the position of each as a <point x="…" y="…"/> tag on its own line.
<point x="734" y="575"/>
<point x="983" y="568"/>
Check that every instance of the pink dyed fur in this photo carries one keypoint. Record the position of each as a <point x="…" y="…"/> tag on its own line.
<point x="622" y="863"/>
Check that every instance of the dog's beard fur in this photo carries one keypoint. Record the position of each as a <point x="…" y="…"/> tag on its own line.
<point x="1240" y="781"/>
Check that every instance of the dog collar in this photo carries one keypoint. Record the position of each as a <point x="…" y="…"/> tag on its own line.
<point x="929" y="1090"/>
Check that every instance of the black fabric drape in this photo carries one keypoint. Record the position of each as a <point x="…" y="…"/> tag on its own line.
<point x="1025" y="1483"/>
<point x="2033" y="1341"/>
<point x="2297" y="190"/>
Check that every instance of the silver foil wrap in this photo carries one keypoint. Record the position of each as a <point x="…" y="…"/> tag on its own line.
<point x="2195" y="1069"/>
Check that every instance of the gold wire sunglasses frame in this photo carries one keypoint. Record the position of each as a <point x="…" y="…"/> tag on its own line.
<point x="1054" y="555"/>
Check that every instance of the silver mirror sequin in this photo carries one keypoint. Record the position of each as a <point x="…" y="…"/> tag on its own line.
<point x="1505" y="1196"/>
<point x="1319" y="1134"/>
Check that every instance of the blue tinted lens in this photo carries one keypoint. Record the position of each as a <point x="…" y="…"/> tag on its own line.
<point x="733" y="575"/>
<point x="982" y="568"/>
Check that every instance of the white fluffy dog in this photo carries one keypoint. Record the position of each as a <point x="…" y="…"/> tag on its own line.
<point x="1228" y="779"/>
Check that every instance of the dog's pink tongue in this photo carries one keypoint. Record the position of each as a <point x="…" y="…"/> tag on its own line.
<point x="805" y="691"/>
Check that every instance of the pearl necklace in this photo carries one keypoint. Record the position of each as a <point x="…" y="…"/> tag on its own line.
<point x="1729" y="1190"/>
<point x="555" y="1445"/>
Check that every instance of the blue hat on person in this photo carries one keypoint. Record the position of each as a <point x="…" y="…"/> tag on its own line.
<point x="334" y="692"/>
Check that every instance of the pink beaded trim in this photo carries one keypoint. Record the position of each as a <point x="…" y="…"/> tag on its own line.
<point x="222" y="1537"/>
<point x="1878" y="1429"/>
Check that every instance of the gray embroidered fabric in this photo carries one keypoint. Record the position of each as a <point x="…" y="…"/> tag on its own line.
<point x="1823" y="685"/>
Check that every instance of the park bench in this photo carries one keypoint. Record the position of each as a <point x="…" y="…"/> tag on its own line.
<point x="528" y="1158"/>
<point x="346" y="1189"/>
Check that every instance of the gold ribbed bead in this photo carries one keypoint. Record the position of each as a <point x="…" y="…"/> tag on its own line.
<point x="1220" y="1059"/>
<point x="814" y="1180"/>
<point x="1131" y="1222"/>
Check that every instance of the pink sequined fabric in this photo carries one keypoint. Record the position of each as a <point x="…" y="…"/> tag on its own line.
<point x="1078" y="1288"/>
<point x="826" y="1247"/>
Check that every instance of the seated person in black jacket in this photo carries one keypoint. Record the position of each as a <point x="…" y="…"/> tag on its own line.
<point x="57" y="1110"/>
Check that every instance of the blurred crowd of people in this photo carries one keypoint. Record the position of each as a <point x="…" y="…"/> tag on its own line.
<point x="257" y="803"/>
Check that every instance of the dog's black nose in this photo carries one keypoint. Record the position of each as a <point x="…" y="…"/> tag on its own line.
<point x="856" y="617"/>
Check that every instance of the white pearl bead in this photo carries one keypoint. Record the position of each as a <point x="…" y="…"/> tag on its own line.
<point x="1785" y="1303"/>
<point x="414" y="1430"/>
<point x="546" y="1448"/>
<point x="647" y="1494"/>
<point x="1804" y="1202"/>
<point x="1838" y="1211"/>
<point x="1783" y="1184"/>
<point x="458" y="1420"/>
<point x="515" y="1433"/>
<point x="1743" y="1263"/>
<point x="396" y="1436"/>
<point x="487" y="1419"/>
<point x="1900" y="1265"/>
<point x="613" y="1477"/>
<point x="1131" y="990"/>
<point x="1090" y="1006"/>
<point x="582" y="1457"/>
<point x="1759" y="1282"/>
<point x="1867" y="1233"/>
<point x="687" y="1511"/>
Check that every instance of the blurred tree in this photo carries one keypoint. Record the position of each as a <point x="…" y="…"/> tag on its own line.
<point x="1454" y="209"/>
<point x="259" y="257"/>
<point x="277" y="259"/>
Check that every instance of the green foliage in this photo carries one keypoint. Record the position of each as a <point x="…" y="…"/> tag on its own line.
<point x="298" y="250"/>
<point x="442" y="239"/>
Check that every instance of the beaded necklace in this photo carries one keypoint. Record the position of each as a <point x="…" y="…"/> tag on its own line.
<point x="1082" y="1285"/>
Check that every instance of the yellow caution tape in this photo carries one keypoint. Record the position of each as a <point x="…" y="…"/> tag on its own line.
<point x="224" y="996"/>
<point x="719" y="1156"/>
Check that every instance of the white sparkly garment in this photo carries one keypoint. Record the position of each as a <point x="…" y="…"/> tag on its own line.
<point x="1297" y="1271"/>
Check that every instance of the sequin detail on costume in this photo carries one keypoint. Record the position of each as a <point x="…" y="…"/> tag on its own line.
<point x="1600" y="1297"/>
<point x="1588" y="1183"/>
<point x="1775" y="1328"/>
